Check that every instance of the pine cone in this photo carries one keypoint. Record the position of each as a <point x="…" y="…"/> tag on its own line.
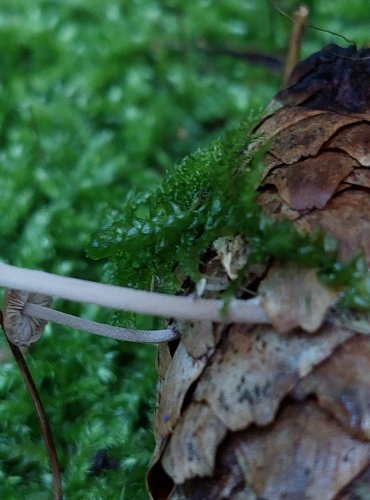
<point x="282" y="411"/>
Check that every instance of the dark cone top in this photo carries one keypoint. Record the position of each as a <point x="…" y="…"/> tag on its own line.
<point x="336" y="79"/>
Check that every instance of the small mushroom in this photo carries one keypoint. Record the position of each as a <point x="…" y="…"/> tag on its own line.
<point x="23" y="330"/>
<point x="26" y="314"/>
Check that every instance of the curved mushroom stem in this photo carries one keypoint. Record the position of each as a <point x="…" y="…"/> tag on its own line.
<point x="127" y="299"/>
<point x="142" y="336"/>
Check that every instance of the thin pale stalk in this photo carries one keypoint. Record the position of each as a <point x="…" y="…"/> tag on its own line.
<point x="126" y="299"/>
<point x="113" y="332"/>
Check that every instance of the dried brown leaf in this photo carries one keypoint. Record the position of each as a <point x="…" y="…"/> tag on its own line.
<point x="227" y="482"/>
<point x="294" y="297"/>
<point x="232" y="252"/>
<point x="163" y="359"/>
<point x="158" y="483"/>
<point x="283" y="118"/>
<point x="272" y="204"/>
<point x="342" y="385"/>
<point x="359" y="177"/>
<point x="255" y="368"/>
<point x="308" y="136"/>
<point x="311" y="183"/>
<point x="347" y="218"/>
<point x="182" y="372"/>
<point x="270" y="162"/>
<point x="193" y="445"/>
<point x="294" y="457"/>
<point x="354" y="140"/>
<point x="199" y="337"/>
<point x="358" y="489"/>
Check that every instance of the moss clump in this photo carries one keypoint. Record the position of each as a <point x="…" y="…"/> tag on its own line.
<point x="202" y="199"/>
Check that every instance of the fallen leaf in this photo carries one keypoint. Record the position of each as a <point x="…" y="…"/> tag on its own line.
<point x="347" y="218"/>
<point x="307" y="138"/>
<point x="182" y="372"/>
<point x="272" y="204"/>
<point x="163" y="359"/>
<point x="227" y="482"/>
<point x="290" y="459"/>
<point x="199" y="337"/>
<point x="254" y="368"/>
<point x="312" y="182"/>
<point x="293" y="458"/>
<point x="355" y="141"/>
<point x="358" y="489"/>
<point x="282" y="119"/>
<point x="233" y="253"/>
<point x="359" y="177"/>
<point x="345" y="393"/>
<point x="193" y="445"/>
<point x="293" y="296"/>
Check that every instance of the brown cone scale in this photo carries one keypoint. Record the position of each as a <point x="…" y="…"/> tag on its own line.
<point x="282" y="411"/>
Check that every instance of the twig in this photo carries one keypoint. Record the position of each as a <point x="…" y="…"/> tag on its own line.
<point x="299" y="23"/>
<point x="44" y="424"/>
<point x="312" y="26"/>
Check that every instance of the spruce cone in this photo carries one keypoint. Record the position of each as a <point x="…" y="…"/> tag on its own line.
<point x="282" y="411"/>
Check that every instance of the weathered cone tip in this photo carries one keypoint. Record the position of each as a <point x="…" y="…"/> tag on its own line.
<point x="335" y="78"/>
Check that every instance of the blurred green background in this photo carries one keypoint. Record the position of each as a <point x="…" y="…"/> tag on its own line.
<point x="98" y="98"/>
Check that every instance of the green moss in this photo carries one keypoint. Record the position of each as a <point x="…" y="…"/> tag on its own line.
<point x="96" y="98"/>
<point x="211" y="194"/>
<point x="174" y="224"/>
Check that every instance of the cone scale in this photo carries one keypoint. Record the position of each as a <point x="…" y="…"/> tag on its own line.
<point x="283" y="410"/>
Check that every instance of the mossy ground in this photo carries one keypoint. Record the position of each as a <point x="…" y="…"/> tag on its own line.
<point x="97" y="99"/>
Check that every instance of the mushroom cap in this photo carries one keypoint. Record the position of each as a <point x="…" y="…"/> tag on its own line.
<point x="23" y="330"/>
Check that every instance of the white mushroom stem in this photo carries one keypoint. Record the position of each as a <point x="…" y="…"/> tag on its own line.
<point x="127" y="299"/>
<point x="113" y="332"/>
